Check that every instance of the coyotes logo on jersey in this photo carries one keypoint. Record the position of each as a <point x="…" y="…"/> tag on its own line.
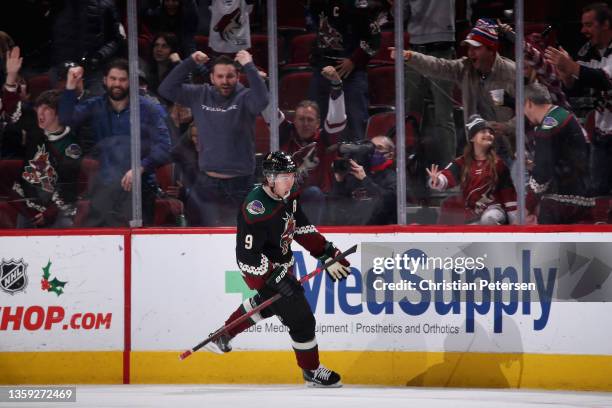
<point x="287" y="235"/>
<point x="229" y="25"/>
<point x="329" y="37"/>
<point x="40" y="171"/>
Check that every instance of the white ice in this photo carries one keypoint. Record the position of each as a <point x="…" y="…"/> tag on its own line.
<point x="286" y="396"/>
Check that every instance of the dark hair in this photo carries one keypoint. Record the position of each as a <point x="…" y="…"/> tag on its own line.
<point x="170" y="38"/>
<point x="6" y="43"/>
<point x="223" y="60"/>
<point x="118" y="63"/>
<point x="49" y="98"/>
<point x="602" y="12"/>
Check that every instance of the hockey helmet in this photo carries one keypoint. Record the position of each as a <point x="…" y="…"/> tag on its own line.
<point x="277" y="163"/>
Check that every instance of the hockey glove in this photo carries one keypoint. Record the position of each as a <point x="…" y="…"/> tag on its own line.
<point x="281" y="281"/>
<point x="339" y="269"/>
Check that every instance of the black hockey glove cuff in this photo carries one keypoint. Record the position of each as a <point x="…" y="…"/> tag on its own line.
<point x="283" y="282"/>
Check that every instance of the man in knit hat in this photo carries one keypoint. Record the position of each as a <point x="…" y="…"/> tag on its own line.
<point x="484" y="76"/>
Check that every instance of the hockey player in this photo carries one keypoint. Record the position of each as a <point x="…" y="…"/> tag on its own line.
<point x="488" y="193"/>
<point x="269" y="219"/>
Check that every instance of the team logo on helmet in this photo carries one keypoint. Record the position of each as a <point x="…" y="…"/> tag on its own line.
<point x="13" y="276"/>
<point x="256" y="207"/>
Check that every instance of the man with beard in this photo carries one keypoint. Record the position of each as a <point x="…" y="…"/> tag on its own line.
<point x="224" y="114"/>
<point x="109" y="117"/>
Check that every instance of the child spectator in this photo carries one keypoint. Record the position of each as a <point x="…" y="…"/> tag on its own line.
<point x="488" y="193"/>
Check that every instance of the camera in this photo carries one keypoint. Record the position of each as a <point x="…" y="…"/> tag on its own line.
<point x="361" y="152"/>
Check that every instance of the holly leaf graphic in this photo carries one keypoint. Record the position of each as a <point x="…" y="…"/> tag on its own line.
<point x="57" y="286"/>
<point x="46" y="271"/>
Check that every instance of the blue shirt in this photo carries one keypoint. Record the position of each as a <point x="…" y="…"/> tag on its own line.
<point x="111" y="131"/>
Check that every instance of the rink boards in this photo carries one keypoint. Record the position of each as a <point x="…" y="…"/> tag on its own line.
<point x="129" y="302"/>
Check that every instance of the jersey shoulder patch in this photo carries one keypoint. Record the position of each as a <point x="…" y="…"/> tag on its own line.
<point x="258" y="205"/>
<point x="554" y="118"/>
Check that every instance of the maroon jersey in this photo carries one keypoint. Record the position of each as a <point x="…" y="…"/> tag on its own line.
<point x="479" y="191"/>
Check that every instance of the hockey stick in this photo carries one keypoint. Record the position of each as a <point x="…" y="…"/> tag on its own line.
<point x="265" y="304"/>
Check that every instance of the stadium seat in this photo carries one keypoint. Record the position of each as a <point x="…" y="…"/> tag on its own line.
<point x="293" y="88"/>
<point x="8" y="215"/>
<point x="452" y="211"/>
<point x="89" y="169"/>
<point x="290" y="15"/>
<point x="10" y="171"/>
<point x="38" y="84"/>
<point x="202" y="44"/>
<point x="167" y="209"/>
<point x="383" y="56"/>
<point x="301" y="48"/>
<point x="259" y="50"/>
<point x="262" y="136"/>
<point x="381" y="82"/>
<point x="380" y="124"/>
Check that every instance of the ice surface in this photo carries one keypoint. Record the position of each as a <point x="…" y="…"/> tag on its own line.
<point x="287" y="396"/>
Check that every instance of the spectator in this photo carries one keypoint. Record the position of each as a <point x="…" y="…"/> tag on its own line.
<point x="180" y="120"/>
<point x="478" y="74"/>
<point x="489" y="196"/>
<point x="12" y="100"/>
<point x="431" y="25"/>
<point x="304" y="138"/>
<point x="6" y="45"/>
<point x="10" y="105"/>
<point x="185" y="157"/>
<point x="164" y="57"/>
<point x="230" y="29"/>
<point x="224" y="113"/>
<point x="109" y="116"/>
<point x="348" y="35"/>
<point x="536" y="68"/>
<point x="85" y="32"/>
<point x="560" y="174"/>
<point x="365" y="192"/>
<point x="46" y="193"/>
<point x="591" y="73"/>
<point x="176" y="16"/>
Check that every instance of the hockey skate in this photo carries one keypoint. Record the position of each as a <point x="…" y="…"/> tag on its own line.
<point x="220" y="345"/>
<point x="322" y="377"/>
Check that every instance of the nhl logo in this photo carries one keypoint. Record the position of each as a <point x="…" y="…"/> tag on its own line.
<point x="13" y="276"/>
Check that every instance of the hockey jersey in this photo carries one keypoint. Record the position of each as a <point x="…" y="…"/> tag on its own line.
<point x="265" y="229"/>
<point x="479" y="191"/>
<point x="229" y="26"/>
<point x="49" y="180"/>
<point x="347" y="29"/>
<point x="561" y="160"/>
